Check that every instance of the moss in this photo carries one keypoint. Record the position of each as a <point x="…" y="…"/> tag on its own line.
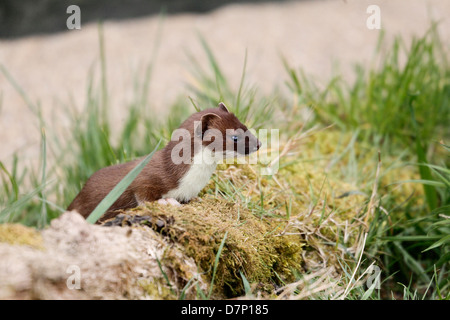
<point x="18" y="234"/>
<point x="157" y="289"/>
<point x="254" y="246"/>
<point x="305" y="217"/>
<point x="269" y="221"/>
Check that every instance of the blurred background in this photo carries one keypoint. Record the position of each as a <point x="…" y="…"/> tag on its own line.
<point x="18" y="18"/>
<point x="52" y="64"/>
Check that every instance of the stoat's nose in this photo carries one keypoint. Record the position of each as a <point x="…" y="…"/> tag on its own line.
<point x="258" y="145"/>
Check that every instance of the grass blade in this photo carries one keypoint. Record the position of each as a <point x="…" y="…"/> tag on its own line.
<point x="119" y="189"/>
<point x="6" y="212"/>
<point x="166" y="277"/>
<point x="425" y="172"/>
<point x="247" y="288"/>
<point x="441" y="241"/>
<point x="216" y="263"/>
<point x="44" y="213"/>
<point x="412" y="263"/>
<point x="15" y="187"/>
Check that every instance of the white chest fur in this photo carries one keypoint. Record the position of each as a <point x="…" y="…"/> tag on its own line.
<point x="196" y="178"/>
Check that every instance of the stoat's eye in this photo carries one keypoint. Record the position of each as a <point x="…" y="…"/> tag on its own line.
<point x="234" y="138"/>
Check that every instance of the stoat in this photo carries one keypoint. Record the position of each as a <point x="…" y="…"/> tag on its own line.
<point x="179" y="171"/>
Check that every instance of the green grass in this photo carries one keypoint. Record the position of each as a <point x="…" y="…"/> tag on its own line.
<point x="400" y="109"/>
<point x="382" y="99"/>
<point x="120" y="188"/>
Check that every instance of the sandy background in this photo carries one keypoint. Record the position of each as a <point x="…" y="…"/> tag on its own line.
<point x="53" y="69"/>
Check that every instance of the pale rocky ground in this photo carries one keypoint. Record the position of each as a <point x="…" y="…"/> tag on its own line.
<point x="70" y="255"/>
<point x="313" y="35"/>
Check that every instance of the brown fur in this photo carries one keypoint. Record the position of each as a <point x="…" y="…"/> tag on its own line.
<point x="158" y="177"/>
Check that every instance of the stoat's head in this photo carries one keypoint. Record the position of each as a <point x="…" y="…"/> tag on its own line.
<point x="215" y="132"/>
<point x="223" y="134"/>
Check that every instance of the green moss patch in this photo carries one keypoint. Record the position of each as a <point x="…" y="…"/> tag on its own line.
<point x="303" y="219"/>
<point x="20" y="235"/>
<point x="254" y="245"/>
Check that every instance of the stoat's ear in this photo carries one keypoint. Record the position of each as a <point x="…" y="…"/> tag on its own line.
<point x="223" y="107"/>
<point x="205" y="121"/>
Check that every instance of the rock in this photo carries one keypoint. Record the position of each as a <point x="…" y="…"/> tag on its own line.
<point x="83" y="261"/>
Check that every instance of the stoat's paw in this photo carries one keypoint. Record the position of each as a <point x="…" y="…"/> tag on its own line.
<point x="170" y="201"/>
